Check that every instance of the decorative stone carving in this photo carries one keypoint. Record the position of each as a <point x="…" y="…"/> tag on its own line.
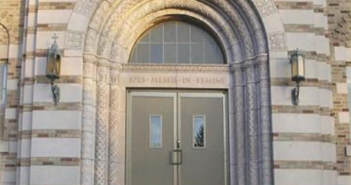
<point x="86" y="7"/>
<point x="90" y="40"/>
<point x="88" y="142"/>
<point x="87" y="166"/>
<point x="111" y="35"/>
<point x="265" y="7"/>
<point x="88" y="126"/>
<point x="125" y="36"/>
<point x="102" y="124"/>
<point x="114" y="130"/>
<point x="261" y="42"/>
<point x="100" y="14"/>
<point x="277" y="41"/>
<point x="89" y="116"/>
<point x="74" y="40"/>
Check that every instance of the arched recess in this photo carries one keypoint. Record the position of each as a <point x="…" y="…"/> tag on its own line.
<point x="109" y="38"/>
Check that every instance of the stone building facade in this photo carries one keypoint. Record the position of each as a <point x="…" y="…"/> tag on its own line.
<point x="82" y="139"/>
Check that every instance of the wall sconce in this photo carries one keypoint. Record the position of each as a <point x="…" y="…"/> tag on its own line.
<point x="297" y="61"/>
<point x="53" y="68"/>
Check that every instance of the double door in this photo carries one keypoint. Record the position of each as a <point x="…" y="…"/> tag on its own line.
<point x="176" y="138"/>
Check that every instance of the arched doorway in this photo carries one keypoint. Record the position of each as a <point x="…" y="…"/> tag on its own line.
<point x="108" y="76"/>
<point x="177" y="135"/>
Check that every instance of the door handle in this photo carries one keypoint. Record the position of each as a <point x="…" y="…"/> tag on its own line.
<point x="177" y="157"/>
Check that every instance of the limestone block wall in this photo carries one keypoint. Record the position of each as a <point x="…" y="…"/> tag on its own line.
<point x="304" y="135"/>
<point x="339" y="20"/>
<point x="11" y="16"/>
<point x="50" y="144"/>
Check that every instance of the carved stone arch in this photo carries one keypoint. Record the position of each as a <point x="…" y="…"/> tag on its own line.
<point x="231" y="23"/>
<point x="110" y="33"/>
<point x="120" y="53"/>
<point x="94" y="13"/>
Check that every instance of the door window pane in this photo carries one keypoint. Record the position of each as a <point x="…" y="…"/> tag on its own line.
<point x="199" y="131"/>
<point x="177" y="42"/>
<point x="155" y="131"/>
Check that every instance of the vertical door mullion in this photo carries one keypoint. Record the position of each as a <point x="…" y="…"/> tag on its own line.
<point x="178" y="123"/>
<point x="175" y="135"/>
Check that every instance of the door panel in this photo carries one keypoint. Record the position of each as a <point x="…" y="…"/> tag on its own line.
<point x="202" y="140"/>
<point x="152" y="137"/>
<point x="176" y="138"/>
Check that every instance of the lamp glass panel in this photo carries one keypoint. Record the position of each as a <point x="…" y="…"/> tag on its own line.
<point x="301" y="66"/>
<point x="294" y="67"/>
<point x="58" y="65"/>
<point x="53" y="65"/>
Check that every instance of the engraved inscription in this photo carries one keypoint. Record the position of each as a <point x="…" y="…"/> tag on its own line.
<point x="173" y="80"/>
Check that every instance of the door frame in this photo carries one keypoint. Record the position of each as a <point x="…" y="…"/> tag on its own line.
<point x="176" y="94"/>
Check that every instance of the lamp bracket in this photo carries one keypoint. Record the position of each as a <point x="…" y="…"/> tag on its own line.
<point x="55" y="93"/>
<point x="295" y="94"/>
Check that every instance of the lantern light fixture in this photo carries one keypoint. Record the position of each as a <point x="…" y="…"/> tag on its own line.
<point x="53" y="68"/>
<point x="297" y="61"/>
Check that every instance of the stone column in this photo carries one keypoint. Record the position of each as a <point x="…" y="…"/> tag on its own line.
<point x="115" y="126"/>
<point x="239" y="126"/>
<point x="252" y="130"/>
<point x="251" y="158"/>
<point x="89" y="117"/>
<point x="102" y="123"/>
<point x="266" y="141"/>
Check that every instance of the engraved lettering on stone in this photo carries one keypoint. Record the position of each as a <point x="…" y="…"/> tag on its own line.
<point x="184" y="80"/>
